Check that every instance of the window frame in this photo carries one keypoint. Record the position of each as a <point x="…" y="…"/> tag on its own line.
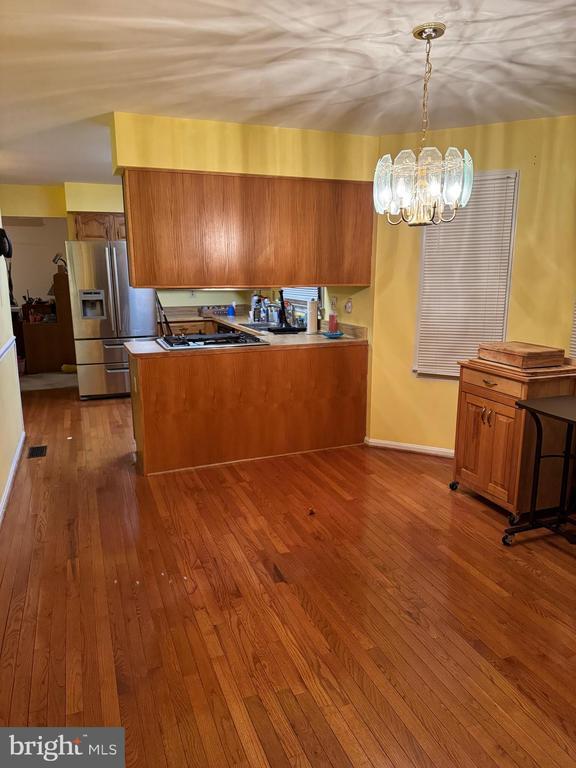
<point x="484" y="175"/>
<point x="303" y="302"/>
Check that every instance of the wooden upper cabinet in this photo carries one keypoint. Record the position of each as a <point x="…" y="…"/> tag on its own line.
<point x="216" y="230"/>
<point x="92" y="226"/>
<point x="100" y="226"/>
<point x="118" y="226"/>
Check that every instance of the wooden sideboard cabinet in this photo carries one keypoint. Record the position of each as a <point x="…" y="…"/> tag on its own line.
<point x="495" y="439"/>
<point x="199" y="230"/>
<point x="99" y="226"/>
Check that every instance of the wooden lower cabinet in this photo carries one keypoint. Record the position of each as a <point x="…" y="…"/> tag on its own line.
<point x="495" y="439"/>
<point x="500" y="471"/>
<point x="194" y="408"/>
<point x="191" y="326"/>
<point x="488" y="445"/>
<point x="471" y="457"/>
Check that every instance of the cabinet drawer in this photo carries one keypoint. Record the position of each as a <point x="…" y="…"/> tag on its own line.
<point x="492" y="383"/>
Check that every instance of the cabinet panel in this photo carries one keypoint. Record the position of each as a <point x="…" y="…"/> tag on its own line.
<point x="492" y="383"/>
<point x="193" y="326"/>
<point x="100" y="226"/>
<point x="118" y="227"/>
<point x="216" y="230"/>
<point x="186" y="413"/>
<point x="471" y="439"/>
<point x="501" y="466"/>
<point x="93" y="226"/>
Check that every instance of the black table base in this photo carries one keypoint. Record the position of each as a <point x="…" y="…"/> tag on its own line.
<point x="554" y="519"/>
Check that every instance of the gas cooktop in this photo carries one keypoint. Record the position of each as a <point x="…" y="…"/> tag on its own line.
<point x="199" y="340"/>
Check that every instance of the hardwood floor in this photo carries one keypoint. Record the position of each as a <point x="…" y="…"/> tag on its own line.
<point x="341" y="608"/>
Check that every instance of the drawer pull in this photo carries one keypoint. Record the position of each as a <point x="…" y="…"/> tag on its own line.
<point x="489" y="383"/>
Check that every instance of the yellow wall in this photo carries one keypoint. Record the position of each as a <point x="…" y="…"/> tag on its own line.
<point x="198" y="298"/>
<point x="54" y="200"/>
<point x="422" y="411"/>
<point x="93" y="197"/>
<point x="404" y="408"/>
<point x="32" y="200"/>
<point x="10" y="403"/>
<point x="147" y="141"/>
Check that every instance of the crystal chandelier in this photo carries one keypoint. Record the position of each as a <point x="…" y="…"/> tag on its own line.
<point x="431" y="189"/>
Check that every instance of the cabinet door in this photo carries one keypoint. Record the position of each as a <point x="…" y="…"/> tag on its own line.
<point x="473" y="440"/>
<point x="119" y="226"/>
<point x="501" y="459"/>
<point x="93" y="226"/>
<point x="236" y="231"/>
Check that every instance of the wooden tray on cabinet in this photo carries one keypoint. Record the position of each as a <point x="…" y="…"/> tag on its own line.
<point x="519" y="354"/>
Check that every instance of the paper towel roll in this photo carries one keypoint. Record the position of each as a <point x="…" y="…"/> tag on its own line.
<point x="311" y="317"/>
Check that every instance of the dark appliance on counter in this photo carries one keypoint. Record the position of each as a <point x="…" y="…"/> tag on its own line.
<point x="283" y="324"/>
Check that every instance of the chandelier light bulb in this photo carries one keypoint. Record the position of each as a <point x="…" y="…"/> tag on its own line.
<point x="430" y="188"/>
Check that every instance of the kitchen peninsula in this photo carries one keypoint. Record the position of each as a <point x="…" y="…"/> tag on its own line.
<point x="200" y="406"/>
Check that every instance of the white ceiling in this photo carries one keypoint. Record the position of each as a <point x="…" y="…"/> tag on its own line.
<point x="345" y="65"/>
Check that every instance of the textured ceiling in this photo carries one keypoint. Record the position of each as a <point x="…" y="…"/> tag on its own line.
<point x="325" y="64"/>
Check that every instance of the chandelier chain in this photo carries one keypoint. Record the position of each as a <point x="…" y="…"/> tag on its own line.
<point x="427" y="76"/>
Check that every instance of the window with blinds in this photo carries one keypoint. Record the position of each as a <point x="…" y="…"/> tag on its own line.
<point x="302" y="294"/>
<point x="573" y="337"/>
<point x="465" y="277"/>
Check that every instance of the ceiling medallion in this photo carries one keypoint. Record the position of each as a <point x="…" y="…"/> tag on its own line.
<point x="431" y="189"/>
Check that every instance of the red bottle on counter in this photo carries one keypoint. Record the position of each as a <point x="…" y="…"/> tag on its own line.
<point x="333" y="322"/>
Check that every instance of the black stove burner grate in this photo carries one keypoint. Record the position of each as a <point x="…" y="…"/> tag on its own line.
<point x="233" y="337"/>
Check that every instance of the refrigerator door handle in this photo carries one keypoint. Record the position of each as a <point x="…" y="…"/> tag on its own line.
<point x="112" y="294"/>
<point x="117" y="300"/>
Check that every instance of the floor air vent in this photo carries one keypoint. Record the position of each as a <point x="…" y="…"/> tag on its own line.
<point x="35" y="451"/>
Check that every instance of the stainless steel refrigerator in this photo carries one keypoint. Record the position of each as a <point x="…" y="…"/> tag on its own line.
<point x="106" y="312"/>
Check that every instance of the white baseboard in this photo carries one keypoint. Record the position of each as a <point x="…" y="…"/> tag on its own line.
<point x="10" y="479"/>
<point x="446" y="453"/>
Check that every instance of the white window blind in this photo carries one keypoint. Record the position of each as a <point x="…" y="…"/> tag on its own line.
<point x="573" y="337"/>
<point x="301" y="294"/>
<point x="465" y="277"/>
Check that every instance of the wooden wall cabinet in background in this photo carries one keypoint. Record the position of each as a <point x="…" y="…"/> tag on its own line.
<point x="217" y="230"/>
<point x="495" y="439"/>
<point x="48" y="346"/>
<point x="99" y="226"/>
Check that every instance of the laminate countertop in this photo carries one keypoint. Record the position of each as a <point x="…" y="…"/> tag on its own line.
<point x="292" y="341"/>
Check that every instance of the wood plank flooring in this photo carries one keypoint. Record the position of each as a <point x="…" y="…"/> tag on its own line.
<point x="341" y="608"/>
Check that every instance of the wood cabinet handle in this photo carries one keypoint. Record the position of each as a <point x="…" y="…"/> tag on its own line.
<point x="490" y="412"/>
<point x="490" y="383"/>
<point x="483" y="415"/>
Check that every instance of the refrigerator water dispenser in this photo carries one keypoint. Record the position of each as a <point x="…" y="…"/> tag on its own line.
<point x="93" y="305"/>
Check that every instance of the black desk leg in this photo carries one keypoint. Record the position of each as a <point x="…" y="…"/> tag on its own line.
<point x="553" y="518"/>
<point x="536" y="470"/>
<point x="563" y="507"/>
<point x="532" y="522"/>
